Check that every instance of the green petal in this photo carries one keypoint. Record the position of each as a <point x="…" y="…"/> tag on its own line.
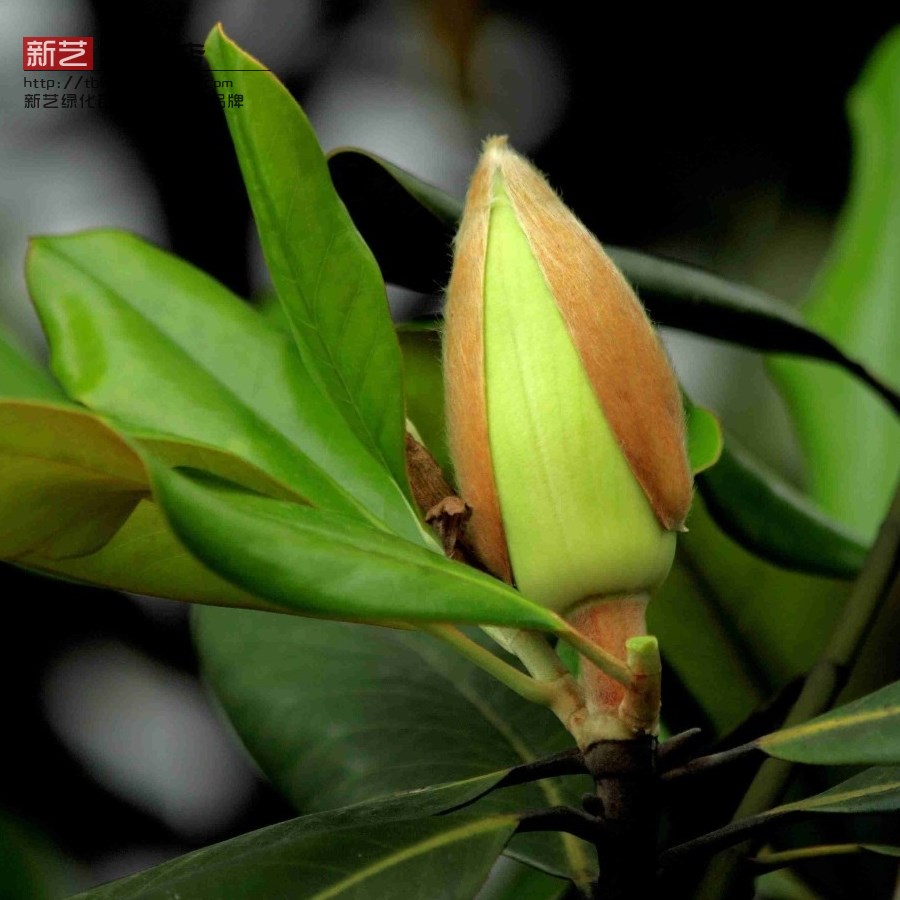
<point x="577" y="521"/>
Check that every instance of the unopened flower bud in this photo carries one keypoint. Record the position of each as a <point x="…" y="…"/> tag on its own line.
<point x="565" y="420"/>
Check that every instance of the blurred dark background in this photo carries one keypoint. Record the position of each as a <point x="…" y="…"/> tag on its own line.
<point x="720" y="141"/>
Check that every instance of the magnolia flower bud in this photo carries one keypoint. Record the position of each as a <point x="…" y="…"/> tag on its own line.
<point x="565" y="421"/>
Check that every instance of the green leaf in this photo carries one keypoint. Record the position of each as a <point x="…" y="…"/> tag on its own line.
<point x="372" y="851"/>
<point x="142" y="336"/>
<point x="21" y="377"/>
<point x="410" y="225"/>
<point x="864" y="732"/>
<point x="763" y="513"/>
<point x="512" y="880"/>
<point x="323" y="272"/>
<point x="67" y="481"/>
<point x="123" y="542"/>
<point x="874" y="790"/>
<point x="324" y="564"/>
<point x="698" y="637"/>
<point x="337" y="714"/>
<point x="851" y="441"/>
<point x="145" y="557"/>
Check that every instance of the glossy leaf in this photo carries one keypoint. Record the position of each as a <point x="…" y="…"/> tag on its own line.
<point x="511" y="880"/>
<point x="753" y="624"/>
<point x="21" y="377"/>
<point x="323" y="272"/>
<point x="336" y="714"/>
<point x="137" y="551"/>
<point x="410" y="225"/>
<point x="67" y="481"/>
<point x="851" y="440"/>
<point x="145" y="557"/>
<point x="874" y="790"/>
<point x="377" y="850"/>
<point x="780" y="618"/>
<point x="757" y="508"/>
<point x="697" y="636"/>
<point x="323" y="564"/>
<point x="142" y="336"/>
<point x="864" y="732"/>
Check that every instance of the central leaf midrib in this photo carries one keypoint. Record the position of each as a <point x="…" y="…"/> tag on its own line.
<point x="327" y="356"/>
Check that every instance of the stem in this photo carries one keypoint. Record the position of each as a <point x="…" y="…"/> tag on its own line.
<point x="624" y="773"/>
<point x="732" y="833"/>
<point x="822" y="686"/>
<point x="703" y="764"/>
<point x="524" y="685"/>
<point x="532" y="649"/>
<point x="604" y="660"/>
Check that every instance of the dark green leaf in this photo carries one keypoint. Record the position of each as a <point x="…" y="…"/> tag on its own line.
<point x="874" y="790"/>
<point x="513" y="880"/>
<point x="864" y="732"/>
<point x="67" y="481"/>
<point x="413" y="249"/>
<point x="336" y="714"/>
<point x="323" y="272"/>
<point x="21" y="377"/>
<point x="140" y="335"/>
<point x="727" y="611"/>
<point x="698" y="636"/>
<point x="851" y="442"/>
<point x="763" y="513"/>
<point x="324" y="564"/>
<point x="376" y="851"/>
<point x="144" y="557"/>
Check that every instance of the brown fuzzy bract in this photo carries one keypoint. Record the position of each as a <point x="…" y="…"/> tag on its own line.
<point x="467" y="429"/>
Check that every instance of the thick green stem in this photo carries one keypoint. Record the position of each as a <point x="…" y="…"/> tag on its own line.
<point x="524" y="685"/>
<point x="879" y="578"/>
<point x="532" y="649"/>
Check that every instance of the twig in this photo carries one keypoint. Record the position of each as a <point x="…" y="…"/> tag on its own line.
<point x="733" y="833"/>
<point x="677" y="748"/>
<point x="524" y="685"/>
<point x="566" y="819"/>
<point x="704" y="764"/>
